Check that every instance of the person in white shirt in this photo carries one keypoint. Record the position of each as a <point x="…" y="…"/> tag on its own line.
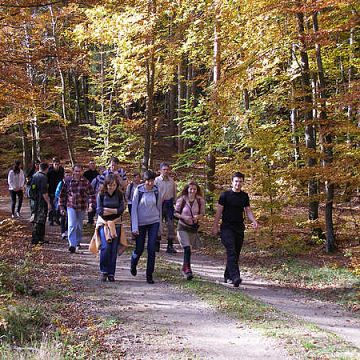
<point x="16" y="181"/>
<point x="167" y="188"/>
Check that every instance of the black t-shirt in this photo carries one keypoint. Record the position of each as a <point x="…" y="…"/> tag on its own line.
<point x="91" y="174"/>
<point x="234" y="204"/>
<point x="40" y="181"/>
<point x="54" y="177"/>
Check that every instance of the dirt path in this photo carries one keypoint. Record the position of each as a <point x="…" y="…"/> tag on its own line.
<point x="327" y="316"/>
<point x="158" y="321"/>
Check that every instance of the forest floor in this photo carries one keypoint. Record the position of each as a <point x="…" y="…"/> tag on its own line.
<point x="174" y="318"/>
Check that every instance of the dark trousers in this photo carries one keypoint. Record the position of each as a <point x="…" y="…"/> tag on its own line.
<point x="232" y="238"/>
<point x="54" y="214"/>
<point x="129" y="208"/>
<point x="63" y="222"/>
<point x="151" y="230"/>
<point x="108" y="252"/>
<point x="20" y="195"/>
<point x="91" y="215"/>
<point x="38" y="233"/>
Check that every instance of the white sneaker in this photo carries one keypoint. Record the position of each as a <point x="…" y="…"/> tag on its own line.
<point x="17" y="214"/>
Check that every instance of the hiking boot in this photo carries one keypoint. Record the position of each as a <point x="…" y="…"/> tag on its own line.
<point x="149" y="279"/>
<point x="133" y="270"/>
<point x="171" y="250"/>
<point x="72" y="249"/>
<point x="186" y="269"/>
<point x="237" y="282"/>
<point x="103" y="277"/>
<point x="111" y="278"/>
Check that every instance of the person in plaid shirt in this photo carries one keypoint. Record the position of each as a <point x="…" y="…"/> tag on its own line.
<point x="77" y="195"/>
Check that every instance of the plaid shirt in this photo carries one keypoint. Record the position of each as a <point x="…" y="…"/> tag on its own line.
<point x="77" y="194"/>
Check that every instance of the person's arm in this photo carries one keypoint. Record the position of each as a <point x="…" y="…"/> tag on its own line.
<point x="47" y="199"/>
<point x="202" y="210"/>
<point x="63" y="198"/>
<point x="134" y="213"/>
<point x="92" y="197"/>
<point x="251" y="217"/>
<point x="219" y="211"/>
<point x="22" y="180"/>
<point x="175" y="190"/>
<point x="11" y="179"/>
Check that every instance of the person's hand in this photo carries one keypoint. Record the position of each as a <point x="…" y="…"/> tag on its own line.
<point x="135" y="233"/>
<point x="255" y="225"/>
<point x="215" y="230"/>
<point x="62" y="212"/>
<point x="90" y="209"/>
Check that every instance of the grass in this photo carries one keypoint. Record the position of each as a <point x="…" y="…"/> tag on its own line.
<point x="305" y="340"/>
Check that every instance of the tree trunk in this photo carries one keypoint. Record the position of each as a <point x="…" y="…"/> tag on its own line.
<point x="63" y="91"/>
<point x="181" y="101"/>
<point x="35" y="139"/>
<point x="310" y="133"/>
<point x="327" y="147"/>
<point x="150" y="84"/>
<point x="25" y="150"/>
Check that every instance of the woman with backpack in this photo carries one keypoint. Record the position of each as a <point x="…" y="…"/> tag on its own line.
<point x="145" y="219"/>
<point x="189" y="209"/>
<point x="109" y="207"/>
<point x="16" y="181"/>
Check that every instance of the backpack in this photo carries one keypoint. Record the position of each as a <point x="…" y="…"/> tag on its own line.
<point x="156" y="192"/>
<point x="31" y="189"/>
<point x="183" y="203"/>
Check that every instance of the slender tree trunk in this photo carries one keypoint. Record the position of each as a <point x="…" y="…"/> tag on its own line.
<point x="85" y="89"/>
<point x="327" y="148"/>
<point x="25" y="150"/>
<point x="150" y="84"/>
<point x="63" y="90"/>
<point x="181" y="101"/>
<point x="75" y="81"/>
<point x="35" y="138"/>
<point x="310" y="133"/>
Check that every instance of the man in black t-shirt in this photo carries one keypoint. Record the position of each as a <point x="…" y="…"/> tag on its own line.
<point x="39" y="204"/>
<point x="90" y="174"/>
<point x="231" y="207"/>
<point x="55" y="175"/>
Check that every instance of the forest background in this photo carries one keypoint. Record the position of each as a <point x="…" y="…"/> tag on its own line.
<point x="267" y="87"/>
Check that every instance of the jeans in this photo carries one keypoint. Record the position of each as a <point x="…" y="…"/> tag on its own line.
<point x="75" y="225"/>
<point x="152" y="231"/>
<point x="108" y="252"/>
<point x="232" y="238"/>
<point x="168" y="216"/>
<point x="54" y="213"/>
<point x="20" y="196"/>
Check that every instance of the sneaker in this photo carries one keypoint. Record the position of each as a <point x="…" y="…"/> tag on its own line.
<point x="237" y="282"/>
<point x="79" y="247"/>
<point x="171" y="250"/>
<point x="64" y="236"/>
<point x="13" y="216"/>
<point x="103" y="277"/>
<point x="111" y="278"/>
<point x="72" y="249"/>
<point x="133" y="270"/>
<point x="149" y="279"/>
<point x="17" y="214"/>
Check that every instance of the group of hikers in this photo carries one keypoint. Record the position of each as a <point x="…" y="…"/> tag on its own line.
<point x="62" y="197"/>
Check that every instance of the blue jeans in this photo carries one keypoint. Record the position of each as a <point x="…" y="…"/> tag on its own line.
<point x="152" y="231"/>
<point x="108" y="252"/>
<point x="75" y="226"/>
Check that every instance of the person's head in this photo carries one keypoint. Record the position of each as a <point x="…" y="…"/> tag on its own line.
<point x="67" y="172"/>
<point x="137" y="177"/>
<point x="92" y="165"/>
<point x="114" y="164"/>
<point x="55" y="163"/>
<point x="237" y="181"/>
<point x="43" y="167"/>
<point x="101" y="169"/>
<point x="17" y="166"/>
<point x="77" y="171"/>
<point x="149" y="178"/>
<point x="111" y="184"/>
<point x="164" y="169"/>
<point x="191" y="188"/>
<point x="36" y="165"/>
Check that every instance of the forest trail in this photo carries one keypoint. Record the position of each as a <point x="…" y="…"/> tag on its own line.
<point x="163" y="322"/>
